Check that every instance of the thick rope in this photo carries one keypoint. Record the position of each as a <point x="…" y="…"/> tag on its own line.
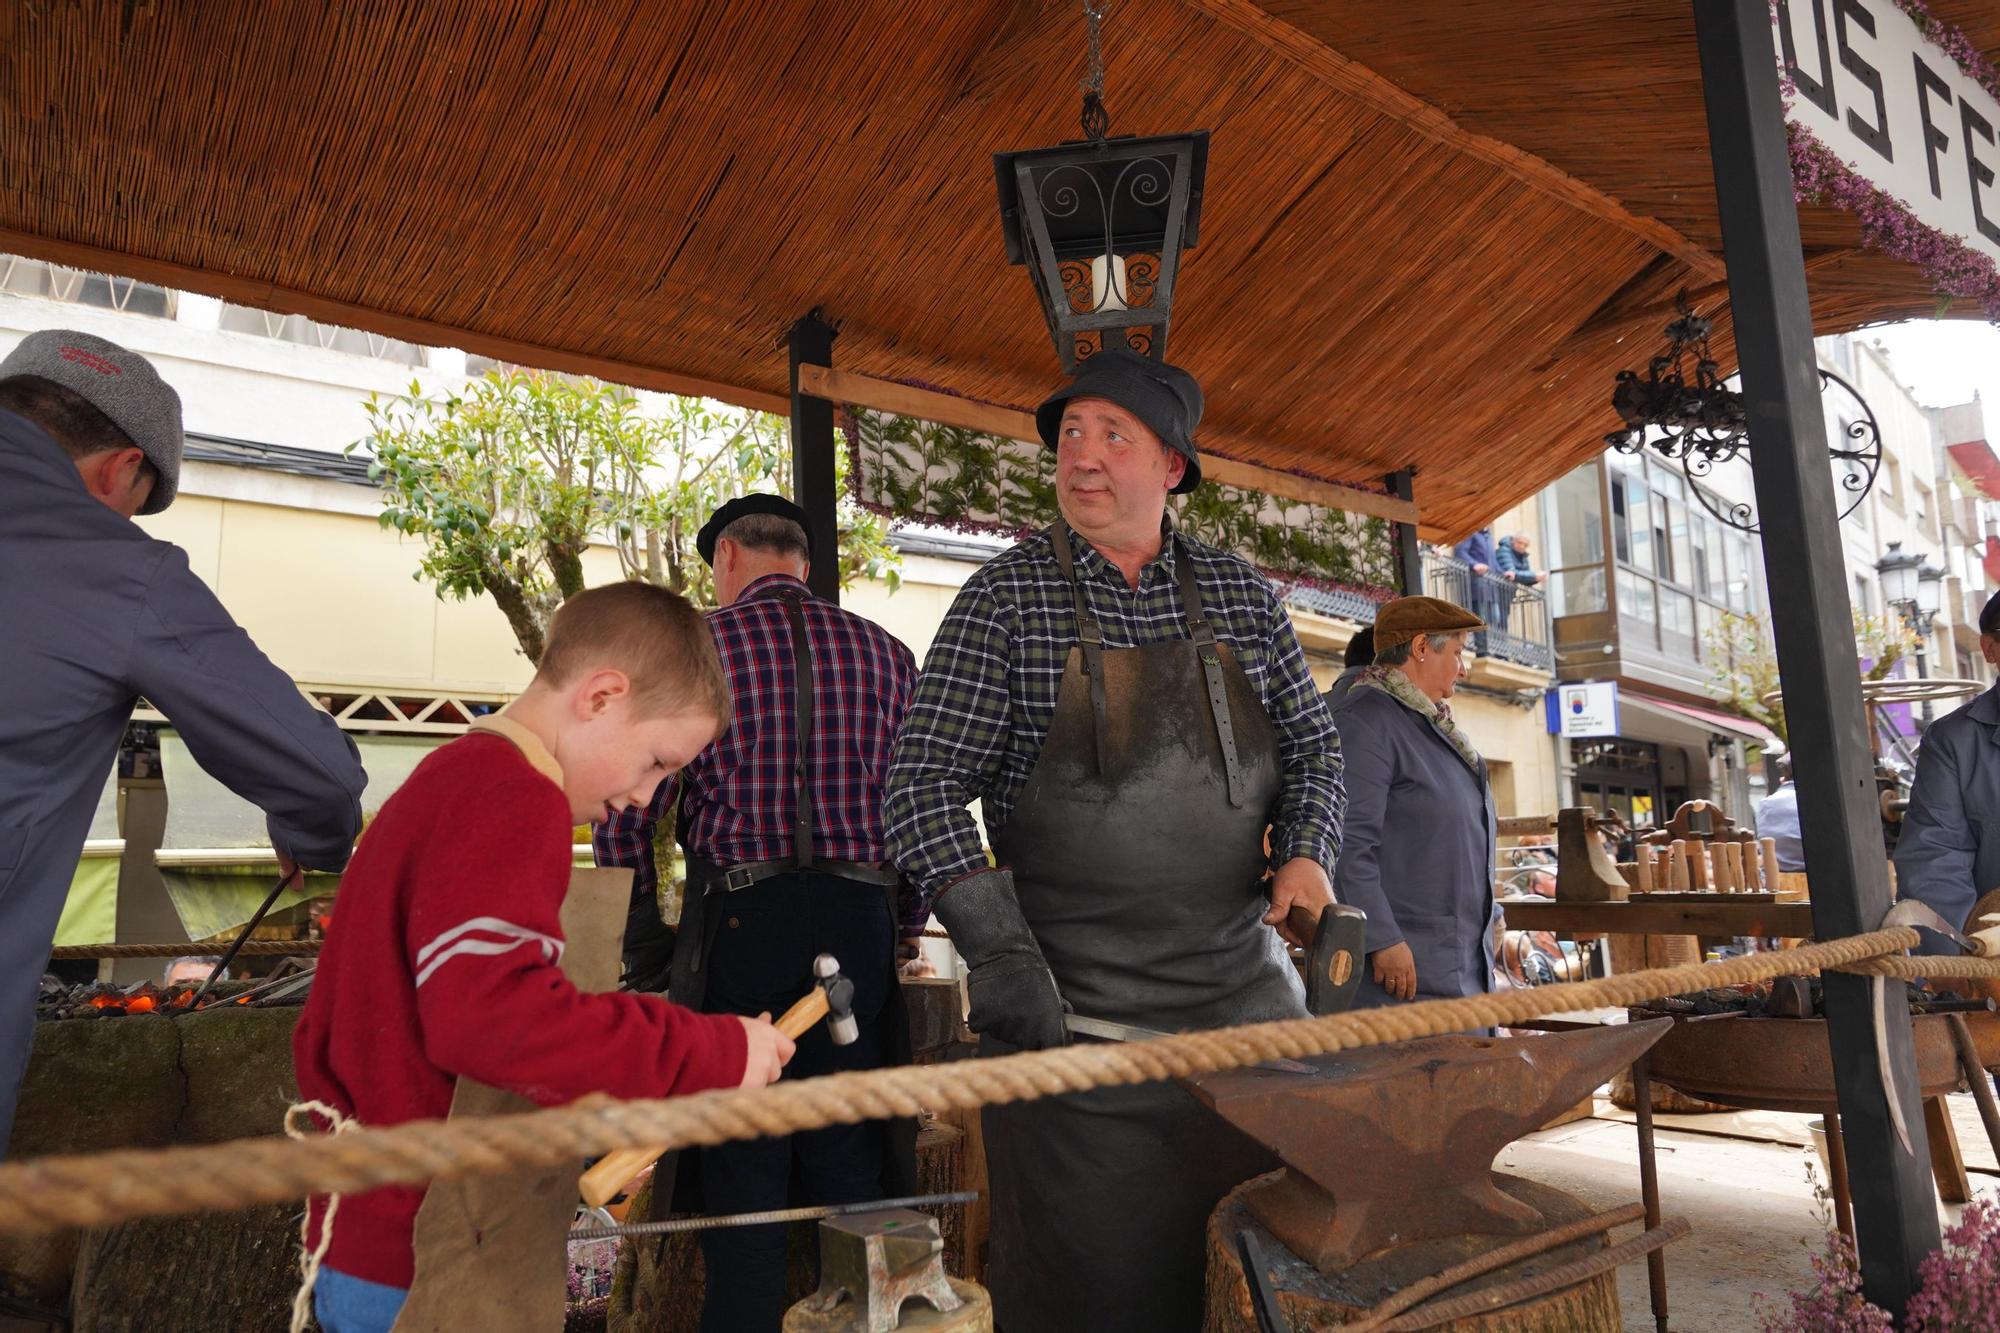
<point x="48" y="1193"/>
<point x="1944" y="967"/>
<point x="187" y="949"/>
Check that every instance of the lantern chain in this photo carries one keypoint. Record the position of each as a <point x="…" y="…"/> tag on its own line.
<point x="1096" y="120"/>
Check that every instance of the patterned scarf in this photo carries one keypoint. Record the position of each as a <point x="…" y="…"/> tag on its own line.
<point x="1398" y="687"/>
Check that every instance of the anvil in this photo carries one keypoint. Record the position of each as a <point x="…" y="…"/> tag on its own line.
<point x="1394" y="1144"/>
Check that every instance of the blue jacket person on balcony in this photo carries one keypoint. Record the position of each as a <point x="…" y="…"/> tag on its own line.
<point x="97" y="614"/>
<point x="1487" y="593"/>
<point x="1948" y="853"/>
<point x="1418" y="848"/>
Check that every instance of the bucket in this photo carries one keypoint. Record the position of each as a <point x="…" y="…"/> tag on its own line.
<point x="1818" y="1130"/>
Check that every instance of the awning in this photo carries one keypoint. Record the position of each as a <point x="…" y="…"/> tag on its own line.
<point x="1974" y="459"/>
<point x="1709" y="719"/>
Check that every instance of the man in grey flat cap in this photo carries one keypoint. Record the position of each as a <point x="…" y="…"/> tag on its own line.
<point x="1135" y="715"/>
<point x="99" y="614"/>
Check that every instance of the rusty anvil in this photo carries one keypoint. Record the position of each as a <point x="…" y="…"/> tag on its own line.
<point x="1393" y="1144"/>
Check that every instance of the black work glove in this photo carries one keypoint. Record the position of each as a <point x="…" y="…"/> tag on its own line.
<point x="1012" y="992"/>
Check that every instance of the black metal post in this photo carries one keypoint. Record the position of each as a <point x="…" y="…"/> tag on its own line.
<point x="1924" y="714"/>
<point x="1838" y="808"/>
<point x="1409" y="558"/>
<point x="812" y="455"/>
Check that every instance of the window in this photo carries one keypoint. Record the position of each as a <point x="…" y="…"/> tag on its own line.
<point x="1573" y="519"/>
<point x="53" y="282"/>
<point x="311" y="333"/>
<point x="1679" y="568"/>
<point x="1864" y="596"/>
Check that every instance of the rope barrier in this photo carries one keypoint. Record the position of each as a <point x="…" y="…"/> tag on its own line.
<point x="1944" y="967"/>
<point x="50" y="1193"/>
<point x="186" y="949"/>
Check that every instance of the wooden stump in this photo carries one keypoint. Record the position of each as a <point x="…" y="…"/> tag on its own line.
<point x="1312" y="1300"/>
<point x="975" y="1316"/>
<point x="658" y="1284"/>
<point x="219" y="1271"/>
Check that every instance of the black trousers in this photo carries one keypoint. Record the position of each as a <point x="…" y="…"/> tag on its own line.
<point x="765" y="942"/>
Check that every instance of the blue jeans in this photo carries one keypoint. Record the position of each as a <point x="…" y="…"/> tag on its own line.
<point x="346" y="1304"/>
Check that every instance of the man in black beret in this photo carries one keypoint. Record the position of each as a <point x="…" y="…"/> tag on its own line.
<point x="1135" y="715"/>
<point x="781" y="820"/>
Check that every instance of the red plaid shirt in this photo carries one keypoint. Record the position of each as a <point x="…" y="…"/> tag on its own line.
<point x="739" y="790"/>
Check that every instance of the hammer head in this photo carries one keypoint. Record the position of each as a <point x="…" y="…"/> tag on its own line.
<point x="1333" y="960"/>
<point x="841" y="1024"/>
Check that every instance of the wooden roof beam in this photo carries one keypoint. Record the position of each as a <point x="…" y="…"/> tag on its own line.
<point x="1357" y="81"/>
<point x="851" y="389"/>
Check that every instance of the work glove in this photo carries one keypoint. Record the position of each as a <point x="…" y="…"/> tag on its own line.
<point x="1012" y="992"/>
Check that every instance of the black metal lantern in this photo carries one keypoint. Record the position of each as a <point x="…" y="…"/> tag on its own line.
<point x="1699" y="421"/>
<point x="1101" y="223"/>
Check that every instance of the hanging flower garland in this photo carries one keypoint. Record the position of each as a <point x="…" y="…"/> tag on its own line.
<point x="1956" y="271"/>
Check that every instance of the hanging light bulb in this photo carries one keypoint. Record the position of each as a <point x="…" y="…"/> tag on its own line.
<point x="1107" y="295"/>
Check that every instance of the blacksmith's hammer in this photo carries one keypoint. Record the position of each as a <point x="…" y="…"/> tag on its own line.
<point x="831" y="998"/>
<point x="1333" y="961"/>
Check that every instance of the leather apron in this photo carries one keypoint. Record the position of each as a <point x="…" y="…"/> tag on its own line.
<point x="702" y="914"/>
<point x="1137" y="848"/>
<point x="490" y="1249"/>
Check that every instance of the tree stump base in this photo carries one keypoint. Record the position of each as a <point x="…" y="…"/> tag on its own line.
<point x="1311" y="1299"/>
<point x="975" y="1316"/>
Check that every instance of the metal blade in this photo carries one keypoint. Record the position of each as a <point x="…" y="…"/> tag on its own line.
<point x="1910" y="912"/>
<point x="1109" y="1031"/>
<point x="1263" y="1297"/>
<point x="1878" y="994"/>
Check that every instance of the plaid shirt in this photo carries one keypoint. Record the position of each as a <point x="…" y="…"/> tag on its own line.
<point x="988" y="695"/>
<point x="739" y="790"/>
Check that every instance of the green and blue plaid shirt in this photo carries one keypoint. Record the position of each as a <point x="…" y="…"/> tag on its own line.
<point x="988" y="694"/>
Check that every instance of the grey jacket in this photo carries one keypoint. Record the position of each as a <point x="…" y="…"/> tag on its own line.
<point x="1948" y="853"/>
<point x="97" y="614"/>
<point x="1418" y="847"/>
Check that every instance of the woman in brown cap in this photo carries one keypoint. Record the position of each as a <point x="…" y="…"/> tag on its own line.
<point x="1419" y="837"/>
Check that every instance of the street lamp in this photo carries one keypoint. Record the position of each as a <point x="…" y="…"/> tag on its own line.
<point x="1101" y="222"/>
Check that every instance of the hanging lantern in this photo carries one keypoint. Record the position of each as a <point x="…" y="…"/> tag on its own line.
<point x="1101" y="223"/>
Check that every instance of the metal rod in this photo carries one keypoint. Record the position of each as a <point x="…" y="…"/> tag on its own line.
<point x="1541" y="1284"/>
<point x="244" y="934"/>
<point x="1513" y="1252"/>
<point x="676" y="1225"/>
<point x="1649" y="1186"/>
<point x="1975" y="1074"/>
<point x="1894" y="1207"/>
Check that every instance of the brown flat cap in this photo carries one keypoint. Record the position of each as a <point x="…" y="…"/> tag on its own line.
<point x="1405" y="618"/>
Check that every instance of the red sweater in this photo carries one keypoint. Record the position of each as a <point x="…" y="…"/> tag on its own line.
<point x="442" y="961"/>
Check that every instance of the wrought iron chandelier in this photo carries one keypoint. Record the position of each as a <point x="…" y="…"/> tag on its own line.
<point x="1699" y="421"/>
<point x="1101" y="223"/>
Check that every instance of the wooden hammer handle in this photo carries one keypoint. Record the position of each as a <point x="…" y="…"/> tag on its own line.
<point x="615" y="1170"/>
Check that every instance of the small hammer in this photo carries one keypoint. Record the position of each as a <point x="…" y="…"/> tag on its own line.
<point x="831" y="998"/>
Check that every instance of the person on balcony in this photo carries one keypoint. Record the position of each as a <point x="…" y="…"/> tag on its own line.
<point x="1418" y="843"/>
<point x="1484" y="587"/>
<point x="1512" y="565"/>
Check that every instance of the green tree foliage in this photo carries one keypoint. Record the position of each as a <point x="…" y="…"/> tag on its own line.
<point x="1743" y="666"/>
<point x="508" y="481"/>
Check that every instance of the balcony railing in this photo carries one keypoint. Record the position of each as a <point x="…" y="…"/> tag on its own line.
<point x="1516" y="615"/>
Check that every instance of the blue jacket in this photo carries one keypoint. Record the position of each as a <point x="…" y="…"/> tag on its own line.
<point x="1477" y="550"/>
<point x="1513" y="562"/>
<point x="1948" y="853"/>
<point x="93" y="614"/>
<point x="1417" y="848"/>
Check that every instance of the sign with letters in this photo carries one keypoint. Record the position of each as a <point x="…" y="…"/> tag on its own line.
<point x="1587" y="708"/>
<point x="1897" y="109"/>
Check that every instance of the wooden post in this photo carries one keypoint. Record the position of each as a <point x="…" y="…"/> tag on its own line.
<point x="1409" y="558"/>
<point x="811" y="342"/>
<point x="1894" y="1212"/>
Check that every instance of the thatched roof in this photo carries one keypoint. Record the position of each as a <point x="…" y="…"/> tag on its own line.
<point x="1428" y="226"/>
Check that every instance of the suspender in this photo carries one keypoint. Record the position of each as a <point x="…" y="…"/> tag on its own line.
<point x="1091" y="637"/>
<point x="802" y="683"/>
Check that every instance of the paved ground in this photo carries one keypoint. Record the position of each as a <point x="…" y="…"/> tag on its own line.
<point x="1756" y="1220"/>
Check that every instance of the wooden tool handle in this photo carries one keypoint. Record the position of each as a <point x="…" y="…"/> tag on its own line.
<point x="617" y="1169"/>
<point x="1303" y="922"/>
<point x="798" y="1020"/>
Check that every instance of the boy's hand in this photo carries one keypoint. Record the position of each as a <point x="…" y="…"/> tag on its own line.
<point x="766" y="1049"/>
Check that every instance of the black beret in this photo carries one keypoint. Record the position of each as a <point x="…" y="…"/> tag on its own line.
<point x="743" y="506"/>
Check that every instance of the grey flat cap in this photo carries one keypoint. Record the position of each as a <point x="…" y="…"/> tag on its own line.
<point x="122" y="385"/>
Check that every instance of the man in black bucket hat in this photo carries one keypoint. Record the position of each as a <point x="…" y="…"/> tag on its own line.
<point x="1133" y="712"/>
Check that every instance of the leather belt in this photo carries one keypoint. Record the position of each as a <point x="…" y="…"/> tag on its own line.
<point x="730" y="879"/>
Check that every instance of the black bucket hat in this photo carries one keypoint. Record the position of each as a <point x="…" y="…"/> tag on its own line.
<point x="1165" y="397"/>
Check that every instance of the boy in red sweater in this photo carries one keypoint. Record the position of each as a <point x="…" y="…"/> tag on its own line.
<point x="442" y="959"/>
